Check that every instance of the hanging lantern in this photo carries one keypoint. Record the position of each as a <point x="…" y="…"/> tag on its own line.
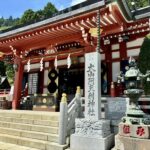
<point x="55" y="63"/>
<point x="68" y="61"/>
<point x="28" y="66"/>
<point x="41" y="64"/>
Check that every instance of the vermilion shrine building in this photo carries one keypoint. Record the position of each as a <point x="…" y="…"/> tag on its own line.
<point x="35" y="48"/>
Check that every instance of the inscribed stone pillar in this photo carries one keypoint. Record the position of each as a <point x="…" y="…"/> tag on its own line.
<point x="92" y="86"/>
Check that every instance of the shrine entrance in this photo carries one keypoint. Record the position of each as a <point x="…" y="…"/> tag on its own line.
<point x="69" y="79"/>
<point x="34" y="80"/>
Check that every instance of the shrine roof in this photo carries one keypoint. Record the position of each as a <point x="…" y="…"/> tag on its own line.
<point x="142" y="13"/>
<point x="70" y="12"/>
<point x="72" y="24"/>
<point x="77" y="10"/>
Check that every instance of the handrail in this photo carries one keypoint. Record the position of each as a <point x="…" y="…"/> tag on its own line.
<point x="72" y="102"/>
<point x="68" y="114"/>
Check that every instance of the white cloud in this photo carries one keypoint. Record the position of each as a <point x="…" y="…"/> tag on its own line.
<point x="74" y="2"/>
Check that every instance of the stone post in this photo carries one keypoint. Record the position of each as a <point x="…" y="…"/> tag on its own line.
<point x="78" y="101"/>
<point x="63" y="120"/>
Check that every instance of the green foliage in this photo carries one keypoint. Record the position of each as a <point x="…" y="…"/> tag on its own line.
<point x="4" y="27"/>
<point x="7" y="70"/>
<point x="144" y="61"/>
<point x="28" y="16"/>
<point x="10" y="73"/>
<point x="6" y="23"/>
<point x="38" y="15"/>
<point x="138" y="3"/>
<point x="49" y="9"/>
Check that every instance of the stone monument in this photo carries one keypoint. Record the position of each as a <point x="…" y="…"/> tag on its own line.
<point x="134" y="130"/>
<point x="91" y="132"/>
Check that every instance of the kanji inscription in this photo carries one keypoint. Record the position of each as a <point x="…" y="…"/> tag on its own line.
<point x="92" y="85"/>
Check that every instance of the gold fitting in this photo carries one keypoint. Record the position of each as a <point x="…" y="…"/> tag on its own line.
<point x="78" y="91"/>
<point x="64" y="98"/>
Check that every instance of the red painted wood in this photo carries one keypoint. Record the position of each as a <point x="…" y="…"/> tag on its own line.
<point x="17" y="84"/>
<point x="123" y="50"/>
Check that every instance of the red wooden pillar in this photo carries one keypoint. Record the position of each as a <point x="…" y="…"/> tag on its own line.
<point x="108" y="59"/>
<point x="123" y="50"/>
<point x="17" y="83"/>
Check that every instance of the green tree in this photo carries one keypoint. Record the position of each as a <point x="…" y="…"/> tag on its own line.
<point x="10" y="73"/>
<point x="49" y="9"/>
<point x="38" y="15"/>
<point x="138" y="3"/>
<point x="28" y="16"/>
<point x="2" y="21"/>
<point x="144" y="61"/>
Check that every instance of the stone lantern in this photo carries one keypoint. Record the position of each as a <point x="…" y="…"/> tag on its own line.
<point x="134" y="129"/>
<point x="133" y="90"/>
<point x="133" y="83"/>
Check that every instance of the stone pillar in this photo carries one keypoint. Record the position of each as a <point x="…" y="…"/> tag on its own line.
<point x="63" y="120"/>
<point x="17" y="83"/>
<point x="92" y="133"/>
<point x="92" y="86"/>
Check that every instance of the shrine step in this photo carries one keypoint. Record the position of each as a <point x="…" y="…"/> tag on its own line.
<point x="32" y="129"/>
<point x="28" y="127"/>
<point x="30" y="134"/>
<point x="6" y="146"/>
<point x="30" y="121"/>
<point x="32" y="143"/>
<point x="32" y="115"/>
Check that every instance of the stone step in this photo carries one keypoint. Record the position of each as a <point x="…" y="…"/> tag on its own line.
<point x="55" y="146"/>
<point x="30" y="134"/>
<point x="30" y="121"/>
<point x="28" y="127"/>
<point x="7" y="146"/>
<point x="42" y="115"/>
<point x="33" y="143"/>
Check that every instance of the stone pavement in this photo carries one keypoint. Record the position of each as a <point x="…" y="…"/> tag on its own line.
<point x="7" y="146"/>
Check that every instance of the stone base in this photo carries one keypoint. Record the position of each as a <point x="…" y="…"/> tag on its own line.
<point x="129" y="143"/>
<point x="79" y="142"/>
<point x="92" y="128"/>
<point x="137" y="131"/>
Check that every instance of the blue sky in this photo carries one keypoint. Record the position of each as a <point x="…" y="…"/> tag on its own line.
<point x="16" y="8"/>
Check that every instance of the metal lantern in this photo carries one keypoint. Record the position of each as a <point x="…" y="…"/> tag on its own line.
<point x="133" y="82"/>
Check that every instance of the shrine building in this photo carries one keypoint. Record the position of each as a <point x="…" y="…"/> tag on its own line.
<point x="49" y="55"/>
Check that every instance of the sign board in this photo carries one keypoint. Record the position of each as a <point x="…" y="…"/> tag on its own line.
<point x="116" y="107"/>
<point x="94" y="32"/>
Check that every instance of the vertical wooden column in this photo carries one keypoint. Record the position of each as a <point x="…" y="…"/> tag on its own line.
<point x="108" y="55"/>
<point x="17" y="83"/>
<point x="123" y="50"/>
